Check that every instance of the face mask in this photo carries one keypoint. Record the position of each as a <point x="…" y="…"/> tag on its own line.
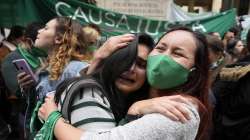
<point x="164" y="73"/>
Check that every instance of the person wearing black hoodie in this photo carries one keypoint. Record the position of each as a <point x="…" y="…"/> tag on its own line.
<point x="231" y="114"/>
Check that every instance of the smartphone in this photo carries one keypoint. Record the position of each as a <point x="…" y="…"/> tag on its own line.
<point x="22" y="66"/>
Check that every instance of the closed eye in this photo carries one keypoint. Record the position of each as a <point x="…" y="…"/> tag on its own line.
<point x="160" y="48"/>
<point x="141" y="63"/>
<point x="178" y="54"/>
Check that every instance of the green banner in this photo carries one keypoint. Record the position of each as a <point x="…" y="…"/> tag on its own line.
<point x="25" y="11"/>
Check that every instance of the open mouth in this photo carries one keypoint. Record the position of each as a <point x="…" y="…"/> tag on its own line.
<point x="126" y="79"/>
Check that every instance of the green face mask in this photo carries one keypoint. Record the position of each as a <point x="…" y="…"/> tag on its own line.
<point x="164" y="73"/>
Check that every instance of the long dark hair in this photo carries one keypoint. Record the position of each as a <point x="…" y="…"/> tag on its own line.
<point x="143" y="92"/>
<point x="197" y="84"/>
<point x="109" y="71"/>
<point x="114" y="66"/>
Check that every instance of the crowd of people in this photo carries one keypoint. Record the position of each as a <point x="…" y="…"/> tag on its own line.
<point x="186" y="86"/>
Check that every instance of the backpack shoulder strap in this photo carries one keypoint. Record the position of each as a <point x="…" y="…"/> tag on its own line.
<point x="73" y="91"/>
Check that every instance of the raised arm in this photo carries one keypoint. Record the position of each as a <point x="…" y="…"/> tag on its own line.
<point x="111" y="45"/>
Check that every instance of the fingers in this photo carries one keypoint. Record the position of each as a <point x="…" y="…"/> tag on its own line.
<point x="117" y="40"/>
<point x="178" y="114"/>
<point x="184" y="111"/>
<point x="170" y="115"/>
<point x="178" y="98"/>
<point x="112" y="44"/>
<point x="162" y="110"/>
<point x="128" y="35"/>
<point x="21" y="75"/>
<point x="47" y="107"/>
<point x="174" y="108"/>
<point x="24" y="80"/>
<point x="27" y="84"/>
<point x="179" y="110"/>
<point x="127" y="38"/>
<point x="121" y="45"/>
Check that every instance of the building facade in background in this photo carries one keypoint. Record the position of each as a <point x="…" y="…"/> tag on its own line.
<point x="154" y="9"/>
<point x="159" y="9"/>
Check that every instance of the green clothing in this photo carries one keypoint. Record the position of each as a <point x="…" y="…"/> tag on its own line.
<point x="32" y="60"/>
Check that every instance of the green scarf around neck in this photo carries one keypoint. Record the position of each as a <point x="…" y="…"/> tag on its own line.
<point x="32" y="60"/>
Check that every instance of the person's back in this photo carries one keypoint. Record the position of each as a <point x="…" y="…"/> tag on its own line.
<point x="83" y="115"/>
<point x="231" y="117"/>
<point x="8" y="108"/>
<point x="231" y="114"/>
<point x="9" y="45"/>
<point x="46" y="85"/>
<point x="9" y="71"/>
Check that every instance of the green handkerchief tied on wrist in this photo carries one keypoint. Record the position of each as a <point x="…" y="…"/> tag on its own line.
<point x="47" y="131"/>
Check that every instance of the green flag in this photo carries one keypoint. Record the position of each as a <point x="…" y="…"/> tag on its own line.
<point x="112" y="23"/>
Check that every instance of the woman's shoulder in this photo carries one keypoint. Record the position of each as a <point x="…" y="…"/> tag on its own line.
<point x="77" y="64"/>
<point x="153" y="126"/>
<point x="73" y="69"/>
<point x="168" y="128"/>
<point x="192" y="110"/>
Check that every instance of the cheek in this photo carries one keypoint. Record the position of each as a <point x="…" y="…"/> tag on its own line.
<point x="154" y="52"/>
<point x="47" y="40"/>
<point x="185" y="63"/>
<point x="237" y="49"/>
<point x="241" y="48"/>
<point x="141" y="76"/>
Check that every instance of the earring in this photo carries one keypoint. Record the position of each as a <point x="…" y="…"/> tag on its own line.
<point x="192" y="69"/>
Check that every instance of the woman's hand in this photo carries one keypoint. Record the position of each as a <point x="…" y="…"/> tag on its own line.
<point x="110" y="46"/>
<point x="172" y="107"/>
<point x="47" y="107"/>
<point x="25" y="81"/>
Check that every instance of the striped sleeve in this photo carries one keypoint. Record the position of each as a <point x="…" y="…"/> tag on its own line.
<point x="91" y="111"/>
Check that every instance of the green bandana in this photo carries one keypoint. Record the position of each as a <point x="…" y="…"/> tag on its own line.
<point x="92" y="48"/>
<point x="164" y="73"/>
<point x="33" y="61"/>
<point x="38" y="52"/>
<point x="47" y="131"/>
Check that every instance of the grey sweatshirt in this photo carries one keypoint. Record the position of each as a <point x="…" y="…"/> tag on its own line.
<point x="151" y="127"/>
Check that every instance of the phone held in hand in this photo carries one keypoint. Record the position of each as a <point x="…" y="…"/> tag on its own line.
<point x="22" y="66"/>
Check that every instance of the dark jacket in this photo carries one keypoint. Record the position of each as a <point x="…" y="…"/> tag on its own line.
<point x="9" y="71"/>
<point x="231" y="114"/>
